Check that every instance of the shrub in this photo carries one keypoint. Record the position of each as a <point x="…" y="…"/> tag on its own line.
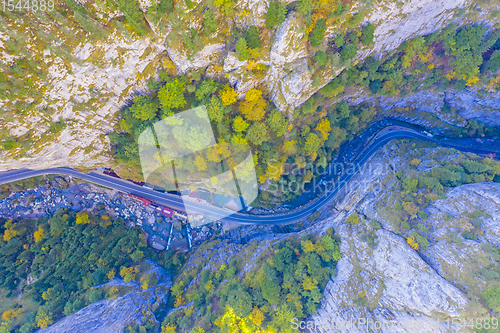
<point x="353" y="219"/>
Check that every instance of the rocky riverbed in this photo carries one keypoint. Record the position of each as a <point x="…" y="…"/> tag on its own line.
<point x="67" y="193"/>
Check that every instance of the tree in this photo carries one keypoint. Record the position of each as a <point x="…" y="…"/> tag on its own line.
<point x="307" y="246"/>
<point x="200" y="163"/>
<point x="43" y="318"/>
<point x="253" y="107"/>
<point x="312" y="144"/>
<point x="290" y="147"/>
<point x="348" y="52"/>
<point x="343" y="110"/>
<point x="39" y="234"/>
<point x="324" y="128"/>
<point x="367" y="31"/>
<point x="171" y="96"/>
<point x="257" y="316"/>
<point x="494" y="61"/>
<point x="239" y="124"/>
<point x="228" y="95"/>
<point x="206" y="88"/>
<point x="258" y="133"/>
<point x="164" y="6"/>
<point x="277" y="122"/>
<point x="321" y="58"/>
<point x="491" y="297"/>
<point x="413" y="243"/>
<point x="133" y="14"/>
<point x="304" y="6"/>
<point x="252" y="37"/>
<point x="353" y="219"/>
<point x="309" y="283"/>
<point x="339" y="40"/>
<point x="375" y="86"/>
<point x="410" y="185"/>
<point x="242" y="50"/>
<point x="168" y="328"/>
<point x="210" y="24"/>
<point x="137" y="255"/>
<point x="270" y="291"/>
<point x="144" y="107"/>
<point x="215" y="109"/>
<point x="318" y="32"/>
<point x="82" y="218"/>
<point x="276" y="14"/>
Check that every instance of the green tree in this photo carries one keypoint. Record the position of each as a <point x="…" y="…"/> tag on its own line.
<point x="239" y="124"/>
<point x="240" y="301"/>
<point x="270" y="291"/>
<point x="321" y="58"/>
<point x="304" y="6"/>
<point x="410" y="185"/>
<point x="165" y="6"/>
<point x="205" y="89"/>
<point x="137" y="255"/>
<point x="367" y="34"/>
<point x="252" y="37"/>
<point x="242" y="50"/>
<point x="276" y="14"/>
<point x="312" y="144"/>
<point x="348" y="52"/>
<point x="171" y="96"/>
<point x="210" y="24"/>
<point x="491" y="297"/>
<point x="144" y="107"/>
<point x="343" y="110"/>
<point x="318" y="32"/>
<point x="258" y="133"/>
<point x="494" y="61"/>
<point x="277" y="122"/>
<point x="215" y="109"/>
<point x="339" y="40"/>
<point x="134" y="15"/>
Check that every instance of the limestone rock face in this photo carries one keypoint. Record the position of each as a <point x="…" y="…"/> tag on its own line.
<point x="201" y="59"/>
<point x="110" y="315"/>
<point x="397" y="22"/>
<point x="114" y="315"/>
<point x="388" y="282"/>
<point x="469" y="104"/>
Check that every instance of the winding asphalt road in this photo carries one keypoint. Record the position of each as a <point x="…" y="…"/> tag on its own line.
<point x="216" y="213"/>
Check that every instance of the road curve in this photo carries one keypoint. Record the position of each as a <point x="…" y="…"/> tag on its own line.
<point x="221" y="214"/>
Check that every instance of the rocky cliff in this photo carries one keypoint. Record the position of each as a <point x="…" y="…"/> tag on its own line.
<point x="381" y="279"/>
<point x="115" y="314"/>
<point x="89" y="85"/>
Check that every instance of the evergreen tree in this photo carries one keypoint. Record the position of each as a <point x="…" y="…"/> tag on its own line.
<point x="276" y="14"/>
<point x="318" y="32"/>
<point x="252" y="38"/>
<point x="242" y="50"/>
